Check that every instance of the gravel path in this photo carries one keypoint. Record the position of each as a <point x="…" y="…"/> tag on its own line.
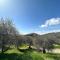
<point x="57" y="50"/>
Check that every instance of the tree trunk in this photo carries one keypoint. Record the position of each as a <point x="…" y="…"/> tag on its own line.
<point x="2" y="46"/>
<point x="2" y="51"/>
<point x="44" y="51"/>
<point x="29" y="47"/>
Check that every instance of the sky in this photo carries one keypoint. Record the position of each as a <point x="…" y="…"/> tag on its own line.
<point x="32" y="16"/>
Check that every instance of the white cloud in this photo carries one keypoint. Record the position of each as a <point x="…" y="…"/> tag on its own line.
<point x="43" y="26"/>
<point x="52" y="21"/>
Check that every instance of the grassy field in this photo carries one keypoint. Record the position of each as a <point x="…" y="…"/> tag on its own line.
<point x="56" y="46"/>
<point x="14" y="54"/>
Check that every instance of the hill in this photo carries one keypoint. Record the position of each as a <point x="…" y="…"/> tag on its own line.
<point x="51" y="36"/>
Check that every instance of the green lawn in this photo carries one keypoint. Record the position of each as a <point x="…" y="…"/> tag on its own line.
<point x="56" y="46"/>
<point x="14" y="54"/>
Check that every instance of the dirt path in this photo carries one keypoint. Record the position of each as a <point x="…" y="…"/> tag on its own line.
<point x="57" y="50"/>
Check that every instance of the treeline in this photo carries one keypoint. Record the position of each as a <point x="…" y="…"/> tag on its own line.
<point x="9" y="36"/>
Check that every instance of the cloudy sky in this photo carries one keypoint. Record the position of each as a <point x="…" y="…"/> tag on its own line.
<point x="40" y="16"/>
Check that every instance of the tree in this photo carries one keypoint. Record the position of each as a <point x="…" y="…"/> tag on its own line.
<point x="44" y="43"/>
<point x="21" y="39"/>
<point x="29" y="41"/>
<point x="3" y="32"/>
<point x="40" y="43"/>
<point x="8" y="32"/>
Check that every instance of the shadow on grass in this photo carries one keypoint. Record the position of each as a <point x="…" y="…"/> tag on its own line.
<point x="25" y="50"/>
<point x="29" y="50"/>
<point x="54" y="56"/>
<point x="15" y="56"/>
<point x="26" y="55"/>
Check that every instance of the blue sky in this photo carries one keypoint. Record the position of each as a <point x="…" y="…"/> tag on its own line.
<point x="40" y="16"/>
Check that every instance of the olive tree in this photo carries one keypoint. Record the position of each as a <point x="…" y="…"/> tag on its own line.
<point x="44" y="43"/>
<point x="29" y="41"/>
<point x="21" y="39"/>
<point x="8" y="32"/>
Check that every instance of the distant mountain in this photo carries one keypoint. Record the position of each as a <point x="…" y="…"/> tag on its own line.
<point x="49" y="36"/>
<point x="57" y="34"/>
<point x="32" y="34"/>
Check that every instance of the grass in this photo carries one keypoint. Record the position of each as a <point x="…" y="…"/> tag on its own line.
<point x="56" y="46"/>
<point x="10" y="51"/>
<point x="47" y="56"/>
<point x="29" y="54"/>
<point x="23" y="46"/>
